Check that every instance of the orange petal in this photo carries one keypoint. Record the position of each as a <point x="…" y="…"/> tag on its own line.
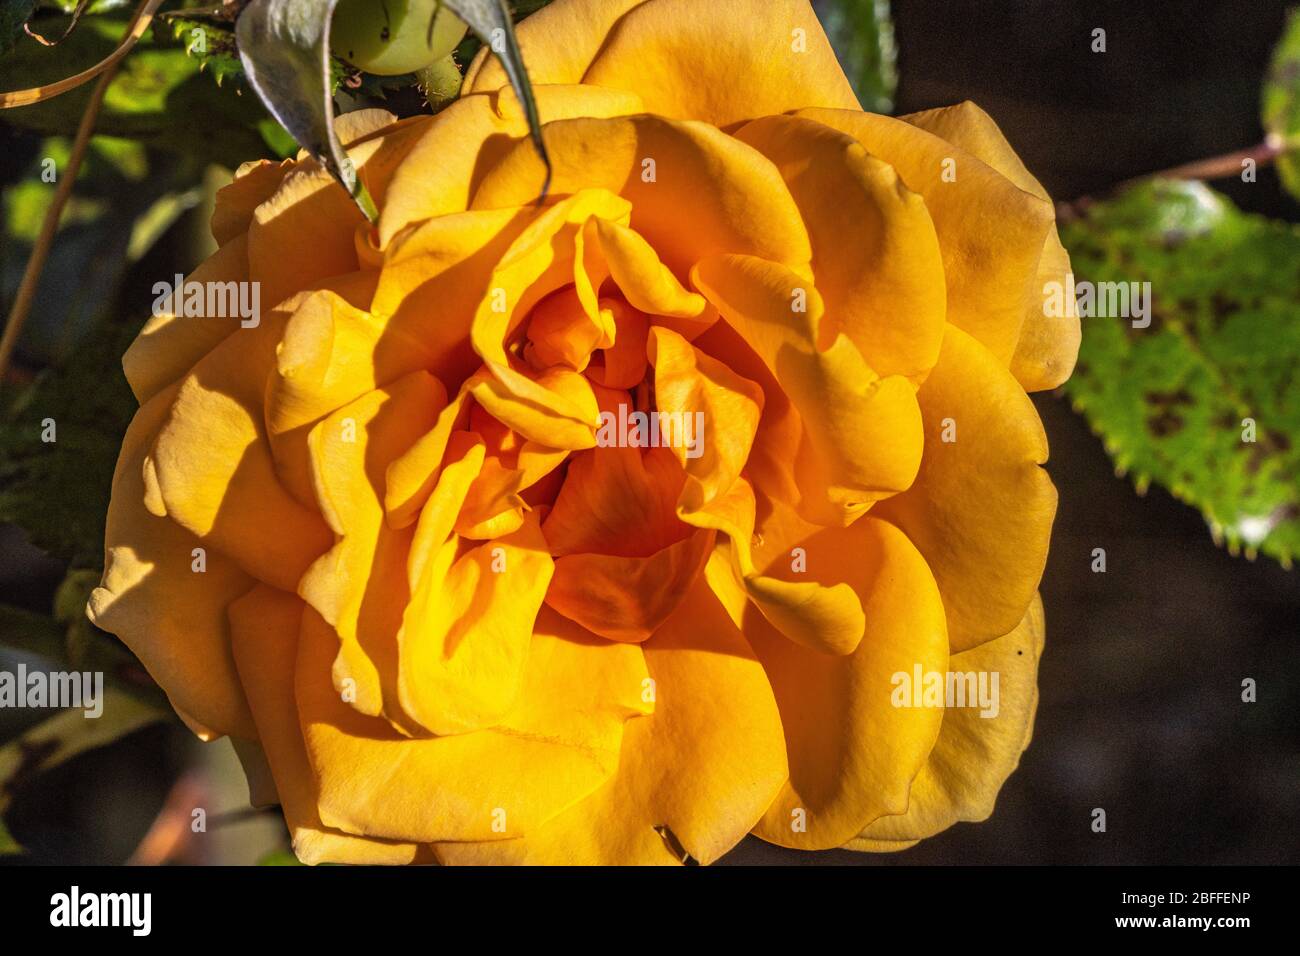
<point x="557" y="745"/>
<point x="991" y="232"/>
<point x="981" y="509"/>
<point x="712" y="414"/>
<point x="852" y="753"/>
<point x="264" y="636"/>
<point x="627" y="598"/>
<point x="722" y="63"/>
<point x="1048" y="345"/>
<point x="978" y="746"/>
<point x="863" y="430"/>
<point x="704" y="766"/>
<point x="876" y="259"/>
<point x="214" y="469"/>
<point x="733" y="196"/>
<point x="172" y="616"/>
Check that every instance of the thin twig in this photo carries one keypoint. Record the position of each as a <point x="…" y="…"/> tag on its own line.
<point x="44" y="241"/>
<point x="1213" y="167"/>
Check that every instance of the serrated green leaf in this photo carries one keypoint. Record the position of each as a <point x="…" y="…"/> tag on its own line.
<point x="1171" y="401"/>
<point x="862" y="35"/>
<point x="1280" y="103"/>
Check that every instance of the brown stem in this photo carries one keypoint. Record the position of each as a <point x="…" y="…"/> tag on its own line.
<point x="1213" y="167"/>
<point x="1217" y="167"/>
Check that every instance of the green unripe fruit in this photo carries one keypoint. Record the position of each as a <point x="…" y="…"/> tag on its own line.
<point x="389" y="37"/>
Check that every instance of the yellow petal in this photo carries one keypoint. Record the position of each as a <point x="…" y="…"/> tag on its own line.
<point x="172" y="617"/>
<point x="235" y="202"/>
<point x="981" y="509"/>
<point x="555" y="408"/>
<point x="627" y="599"/>
<point x="1048" y="345"/>
<point x="722" y="63"/>
<point x="876" y="259"/>
<point x="443" y="169"/>
<point x="547" y="256"/>
<point x="168" y="346"/>
<point x="359" y="586"/>
<point x="309" y="202"/>
<point x="412" y="476"/>
<point x="558" y="43"/>
<point x="712" y="415"/>
<point x="669" y="170"/>
<point x="558" y="745"/>
<point x="864" y="431"/>
<point x="214" y="468"/>
<point x="646" y="283"/>
<point x="466" y="633"/>
<point x="264" y="636"/>
<point x="705" y="765"/>
<point x="991" y="232"/>
<point x="852" y="753"/>
<point x="974" y="754"/>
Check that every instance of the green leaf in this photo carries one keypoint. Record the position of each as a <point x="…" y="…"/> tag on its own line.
<point x="862" y="34"/>
<point x="1280" y="103"/>
<point x="284" y="46"/>
<point x="1171" y="401"/>
<point x="58" y="491"/>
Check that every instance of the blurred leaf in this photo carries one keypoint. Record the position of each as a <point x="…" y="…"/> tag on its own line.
<point x="8" y="845"/>
<point x="30" y="633"/>
<point x="13" y="14"/>
<point x="157" y="98"/>
<point x="1280" y="102"/>
<point x="862" y="35"/>
<point x="68" y="733"/>
<point x="1223" y="346"/>
<point x="125" y="197"/>
<point x="58" y="491"/>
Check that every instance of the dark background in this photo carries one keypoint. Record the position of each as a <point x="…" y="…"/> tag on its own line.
<point x="1140" y="709"/>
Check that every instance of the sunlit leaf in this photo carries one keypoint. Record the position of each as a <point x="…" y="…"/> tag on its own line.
<point x="1205" y="401"/>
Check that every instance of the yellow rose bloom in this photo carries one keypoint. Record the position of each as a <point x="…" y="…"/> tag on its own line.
<point x="615" y="527"/>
